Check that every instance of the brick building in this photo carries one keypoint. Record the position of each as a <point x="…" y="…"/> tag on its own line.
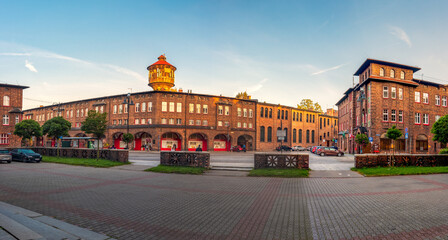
<point x="387" y="94"/>
<point x="11" y="111"/>
<point x="167" y="116"/>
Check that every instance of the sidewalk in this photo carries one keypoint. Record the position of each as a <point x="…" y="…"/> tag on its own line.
<point x="19" y="223"/>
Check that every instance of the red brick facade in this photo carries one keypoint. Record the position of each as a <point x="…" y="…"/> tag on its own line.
<point x="11" y="113"/>
<point x="391" y="97"/>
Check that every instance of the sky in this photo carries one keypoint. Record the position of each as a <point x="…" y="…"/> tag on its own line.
<point x="278" y="51"/>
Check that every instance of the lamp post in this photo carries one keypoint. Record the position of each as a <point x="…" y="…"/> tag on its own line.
<point x="361" y="98"/>
<point x="128" y="101"/>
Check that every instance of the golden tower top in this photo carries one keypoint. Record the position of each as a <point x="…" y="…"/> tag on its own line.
<point x="161" y="75"/>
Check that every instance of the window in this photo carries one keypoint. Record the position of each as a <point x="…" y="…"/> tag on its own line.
<point x="164" y="106"/>
<point x="402" y="75"/>
<point x="227" y="110"/>
<point x="149" y="120"/>
<point x="286" y="136"/>
<point x="220" y="110"/>
<point x="239" y="112"/>
<point x="278" y="114"/>
<point x="137" y="121"/>
<point x="251" y="113"/>
<point x="205" y="109"/>
<point x="17" y="119"/>
<point x="283" y="114"/>
<point x="172" y="107"/>
<point x="219" y="123"/>
<point x="204" y="123"/>
<point x="325" y="123"/>
<point x="425" y="98"/>
<point x="150" y="107"/>
<point x="400" y="93"/>
<point x="171" y="121"/>
<point x="244" y="125"/>
<point x="320" y="123"/>
<point x="163" y="120"/>
<point x="143" y="120"/>
<point x="312" y="136"/>
<point x="270" y="112"/>
<point x="244" y="112"/>
<point x="417" y="97"/>
<point x="250" y="125"/>
<point x="269" y="134"/>
<point x="306" y="117"/>
<point x="444" y="101"/>
<point x="4" y="138"/>
<point x="191" y="122"/>
<point x="392" y="73"/>
<point x="144" y="107"/>
<point x="120" y="110"/>
<point x="6" y="102"/>
<point x="71" y="112"/>
<point x="191" y="108"/>
<point x="417" y="118"/>
<point x="437" y="118"/>
<point x="286" y="115"/>
<point x="67" y="113"/>
<point x="385" y="92"/>
<point x="126" y="108"/>
<point x="261" y="112"/>
<point x="393" y="115"/>
<point x="393" y="92"/>
<point x="300" y="135"/>
<point x="226" y="124"/>
<point x="119" y="121"/>
<point x="314" y="118"/>
<point x="82" y="112"/>
<point x="262" y="133"/>
<point x="137" y="107"/>
<point x="5" y="120"/>
<point x="307" y="136"/>
<point x="437" y="100"/>
<point x="115" y="122"/>
<point x="382" y="72"/>
<point x="400" y="116"/>
<point x="300" y="116"/>
<point x="101" y="109"/>
<point x="294" y="135"/>
<point x="198" y="122"/>
<point x="179" y="107"/>
<point x="385" y="115"/>
<point x="239" y="124"/>
<point x="425" y="119"/>
<point x="198" y="108"/>
<point x="179" y="121"/>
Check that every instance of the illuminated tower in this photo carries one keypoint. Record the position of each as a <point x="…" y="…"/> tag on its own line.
<point x="161" y="75"/>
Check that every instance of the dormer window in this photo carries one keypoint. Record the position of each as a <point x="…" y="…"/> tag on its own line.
<point x="382" y="72"/>
<point x="392" y="73"/>
<point x="402" y="75"/>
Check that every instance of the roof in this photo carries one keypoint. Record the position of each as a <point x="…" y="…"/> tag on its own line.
<point x="369" y="61"/>
<point x="15" y="110"/>
<point x="421" y="81"/>
<point x="13" y="86"/>
<point x="162" y="61"/>
<point x="387" y="79"/>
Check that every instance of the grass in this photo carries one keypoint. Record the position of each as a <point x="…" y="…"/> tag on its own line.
<point x="285" y="173"/>
<point x="177" y="169"/>
<point x="392" y="171"/>
<point x="87" y="162"/>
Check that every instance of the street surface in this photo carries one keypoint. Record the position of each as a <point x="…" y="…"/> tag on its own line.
<point x="127" y="204"/>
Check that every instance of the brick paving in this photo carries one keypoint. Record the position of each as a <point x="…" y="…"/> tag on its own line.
<point x="143" y="205"/>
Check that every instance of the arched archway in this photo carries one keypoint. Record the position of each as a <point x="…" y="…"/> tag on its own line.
<point x="195" y="140"/>
<point x="168" y="140"/>
<point x="118" y="143"/>
<point x="221" y="142"/>
<point x="246" y="140"/>
<point x="141" y="139"/>
<point x="385" y="142"/>
<point x="421" y="143"/>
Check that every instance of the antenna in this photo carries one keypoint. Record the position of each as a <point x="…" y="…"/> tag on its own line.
<point x="353" y="81"/>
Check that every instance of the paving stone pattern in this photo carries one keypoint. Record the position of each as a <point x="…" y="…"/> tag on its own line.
<point x="144" y="205"/>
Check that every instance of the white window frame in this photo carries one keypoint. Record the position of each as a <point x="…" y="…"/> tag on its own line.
<point x="393" y="115"/>
<point x="220" y="110"/>
<point x="205" y="109"/>
<point x="149" y="106"/>
<point x="437" y="97"/>
<point x="144" y="107"/>
<point x="172" y="107"/>
<point x="227" y="110"/>
<point x="425" y="98"/>
<point x="198" y="108"/>
<point x="239" y="112"/>
<point x="163" y="121"/>
<point x="120" y="109"/>
<point x="204" y="123"/>
<point x="6" y="101"/>
<point x="400" y="93"/>
<point x="417" y="118"/>
<point x="385" y="115"/>
<point x="385" y="92"/>
<point x="164" y="106"/>
<point x="219" y="123"/>
<point x="179" y="107"/>
<point x="171" y="121"/>
<point x="251" y="113"/>
<point x="238" y="124"/>
<point x="244" y="112"/>
<point x="191" y="108"/>
<point x="444" y="101"/>
<point x="425" y="119"/>
<point x="417" y="97"/>
<point x="402" y="75"/>
<point x="393" y="92"/>
<point x="5" y="120"/>
<point x="400" y="116"/>
<point x="137" y="107"/>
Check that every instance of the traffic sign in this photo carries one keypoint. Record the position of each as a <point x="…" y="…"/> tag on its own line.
<point x="406" y="130"/>
<point x="335" y="141"/>
<point x="370" y="139"/>
<point x="406" y="135"/>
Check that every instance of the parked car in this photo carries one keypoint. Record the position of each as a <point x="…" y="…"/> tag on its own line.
<point x="237" y="148"/>
<point x="329" y="151"/>
<point x="5" y="155"/>
<point x="284" y="148"/>
<point x="25" y="155"/>
<point x="298" y="148"/>
<point x="315" y="149"/>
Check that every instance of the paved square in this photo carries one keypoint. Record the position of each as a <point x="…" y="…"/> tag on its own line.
<point x="142" y="205"/>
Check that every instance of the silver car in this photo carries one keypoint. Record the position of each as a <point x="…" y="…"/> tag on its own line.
<point x="5" y="155"/>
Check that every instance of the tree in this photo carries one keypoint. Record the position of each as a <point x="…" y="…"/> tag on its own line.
<point x="96" y="124"/>
<point x="28" y="129"/>
<point x="308" y="104"/>
<point x="243" y="95"/>
<point x="127" y="138"/>
<point x="393" y="133"/>
<point x="440" y="130"/>
<point x="56" y="127"/>
<point x="361" y="139"/>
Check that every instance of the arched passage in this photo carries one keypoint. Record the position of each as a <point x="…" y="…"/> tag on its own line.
<point x="170" y="139"/>
<point x="421" y="143"/>
<point x="245" y="140"/>
<point x="141" y="139"/>
<point x="195" y="140"/>
<point x="118" y="143"/>
<point x="221" y="142"/>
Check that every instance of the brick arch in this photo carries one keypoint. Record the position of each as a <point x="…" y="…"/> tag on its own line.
<point x="196" y="139"/>
<point x="141" y="139"/>
<point x="169" y="139"/>
<point x="221" y="142"/>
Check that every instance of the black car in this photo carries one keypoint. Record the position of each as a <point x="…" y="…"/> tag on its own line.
<point x="25" y="155"/>
<point x="284" y="148"/>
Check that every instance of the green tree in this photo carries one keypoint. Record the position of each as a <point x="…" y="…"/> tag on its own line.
<point x="95" y="124"/>
<point x="393" y="133"/>
<point x="127" y="138"/>
<point x="243" y="95"/>
<point x="308" y="104"/>
<point x="362" y="140"/>
<point x="56" y="127"/>
<point x="28" y="129"/>
<point x="440" y="130"/>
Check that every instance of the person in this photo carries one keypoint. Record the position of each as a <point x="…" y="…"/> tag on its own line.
<point x="244" y="147"/>
<point x="147" y="147"/>
<point x="173" y="148"/>
<point x="112" y="147"/>
<point x="144" y="147"/>
<point x="199" y="149"/>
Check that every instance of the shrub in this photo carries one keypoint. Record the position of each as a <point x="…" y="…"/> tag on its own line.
<point x="444" y="151"/>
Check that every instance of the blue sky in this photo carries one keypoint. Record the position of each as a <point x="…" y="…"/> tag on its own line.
<point x="279" y="51"/>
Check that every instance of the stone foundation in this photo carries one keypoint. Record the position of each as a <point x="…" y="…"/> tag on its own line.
<point x="287" y="160"/>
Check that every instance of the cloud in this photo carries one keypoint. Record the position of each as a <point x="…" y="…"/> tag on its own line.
<point x="257" y="87"/>
<point x="328" y="69"/>
<point x="30" y="66"/>
<point x="15" y="54"/>
<point x="401" y="34"/>
<point x="126" y="71"/>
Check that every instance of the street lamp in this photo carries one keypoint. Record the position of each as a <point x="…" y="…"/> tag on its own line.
<point x="128" y="102"/>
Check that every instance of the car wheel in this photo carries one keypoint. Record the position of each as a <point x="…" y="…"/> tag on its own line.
<point x="339" y="154"/>
<point x="8" y="161"/>
<point x="322" y="154"/>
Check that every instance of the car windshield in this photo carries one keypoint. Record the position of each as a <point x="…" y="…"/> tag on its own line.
<point x="26" y="151"/>
<point x="4" y="151"/>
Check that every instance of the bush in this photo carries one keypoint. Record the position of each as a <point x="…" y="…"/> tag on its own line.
<point x="444" y="151"/>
